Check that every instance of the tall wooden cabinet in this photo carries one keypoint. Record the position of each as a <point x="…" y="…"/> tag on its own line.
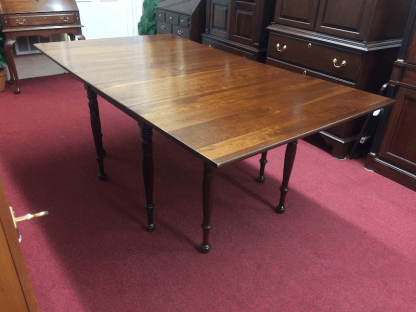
<point x="239" y="27"/>
<point x="393" y="153"/>
<point x="352" y="42"/>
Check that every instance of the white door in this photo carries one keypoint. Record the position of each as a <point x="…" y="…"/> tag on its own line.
<point x="109" y="18"/>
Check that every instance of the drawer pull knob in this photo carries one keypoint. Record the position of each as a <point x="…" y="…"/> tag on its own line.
<point x="278" y="48"/>
<point x="338" y="66"/>
<point x="64" y="18"/>
<point x="20" y="21"/>
<point x="304" y="72"/>
<point x="163" y="27"/>
<point x="309" y="45"/>
<point x="171" y="17"/>
<point x="180" y="32"/>
<point x="160" y="14"/>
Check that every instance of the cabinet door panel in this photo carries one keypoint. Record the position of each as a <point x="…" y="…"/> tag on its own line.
<point x="399" y="142"/>
<point x="219" y="20"/>
<point x="245" y="21"/>
<point x="349" y="19"/>
<point x="296" y="13"/>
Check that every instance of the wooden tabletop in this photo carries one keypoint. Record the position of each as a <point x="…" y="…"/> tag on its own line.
<point x="221" y="107"/>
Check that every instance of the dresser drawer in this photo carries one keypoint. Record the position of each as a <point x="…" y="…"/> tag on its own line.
<point x="160" y="15"/>
<point x="42" y="19"/>
<point x="180" y="32"/>
<point x="164" y="28"/>
<point x="333" y="61"/>
<point x="172" y="18"/>
<point x="308" y="72"/>
<point x="184" y="21"/>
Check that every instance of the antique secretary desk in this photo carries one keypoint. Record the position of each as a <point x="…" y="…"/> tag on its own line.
<point x="20" y="18"/>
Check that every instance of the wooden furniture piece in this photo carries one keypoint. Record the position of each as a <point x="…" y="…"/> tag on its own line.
<point x="393" y="153"/>
<point x="220" y="107"/>
<point x="16" y="291"/>
<point x="44" y="18"/>
<point x="353" y="43"/>
<point x="239" y="27"/>
<point x="185" y="19"/>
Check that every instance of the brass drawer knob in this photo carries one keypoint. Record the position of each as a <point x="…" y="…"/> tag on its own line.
<point x="171" y="17"/>
<point x="309" y="45"/>
<point x="20" y="21"/>
<point x="180" y="32"/>
<point x="338" y="66"/>
<point x="304" y="72"/>
<point x="64" y="18"/>
<point x="278" y="48"/>
<point x="163" y="27"/>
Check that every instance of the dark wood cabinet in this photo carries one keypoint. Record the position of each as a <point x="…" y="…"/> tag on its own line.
<point x="20" y="18"/>
<point x="296" y="13"/>
<point x="353" y="43"/>
<point x="239" y="27"/>
<point x="393" y="153"/>
<point x="182" y="18"/>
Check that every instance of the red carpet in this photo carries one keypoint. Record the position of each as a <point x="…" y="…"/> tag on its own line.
<point x="345" y="243"/>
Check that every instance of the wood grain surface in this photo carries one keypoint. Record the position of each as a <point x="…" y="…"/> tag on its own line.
<point x="221" y="107"/>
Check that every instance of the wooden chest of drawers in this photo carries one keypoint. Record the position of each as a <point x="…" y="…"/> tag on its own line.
<point x="182" y="18"/>
<point x="353" y="43"/>
<point x="20" y="18"/>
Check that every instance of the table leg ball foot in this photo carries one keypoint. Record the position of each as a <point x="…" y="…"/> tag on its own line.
<point x="150" y="227"/>
<point x="204" y="248"/>
<point x="260" y="179"/>
<point x="280" y="209"/>
<point x="102" y="176"/>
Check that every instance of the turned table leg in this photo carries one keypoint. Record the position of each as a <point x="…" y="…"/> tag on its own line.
<point x="263" y="162"/>
<point x="207" y="198"/>
<point x="96" y="130"/>
<point x="12" y="66"/>
<point x="289" y="160"/>
<point x="148" y="173"/>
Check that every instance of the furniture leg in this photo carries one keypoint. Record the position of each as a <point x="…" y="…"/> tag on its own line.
<point x="12" y="66"/>
<point x="289" y="160"/>
<point x="263" y="162"/>
<point x="148" y="173"/>
<point x="11" y="81"/>
<point x="96" y="131"/>
<point x="207" y="198"/>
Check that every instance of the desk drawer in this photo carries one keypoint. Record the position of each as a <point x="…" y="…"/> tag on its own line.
<point x="164" y="28"/>
<point x="184" y="21"/>
<point x="172" y="18"/>
<point x="160" y="15"/>
<point x="315" y="56"/>
<point x="180" y="32"/>
<point x="42" y="19"/>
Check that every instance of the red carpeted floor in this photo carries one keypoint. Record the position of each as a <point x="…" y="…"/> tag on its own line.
<point x="345" y="243"/>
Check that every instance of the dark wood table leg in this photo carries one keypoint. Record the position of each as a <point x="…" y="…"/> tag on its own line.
<point x="263" y="162"/>
<point x="289" y="160"/>
<point x="10" y="60"/>
<point x="148" y="173"/>
<point x="11" y="81"/>
<point x="207" y="198"/>
<point x="96" y="130"/>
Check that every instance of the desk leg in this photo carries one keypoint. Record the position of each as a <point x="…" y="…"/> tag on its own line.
<point x="148" y="173"/>
<point x="289" y="160"/>
<point x="263" y="162"/>
<point x="10" y="60"/>
<point x="207" y="198"/>
<point x="96" y="130"/>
